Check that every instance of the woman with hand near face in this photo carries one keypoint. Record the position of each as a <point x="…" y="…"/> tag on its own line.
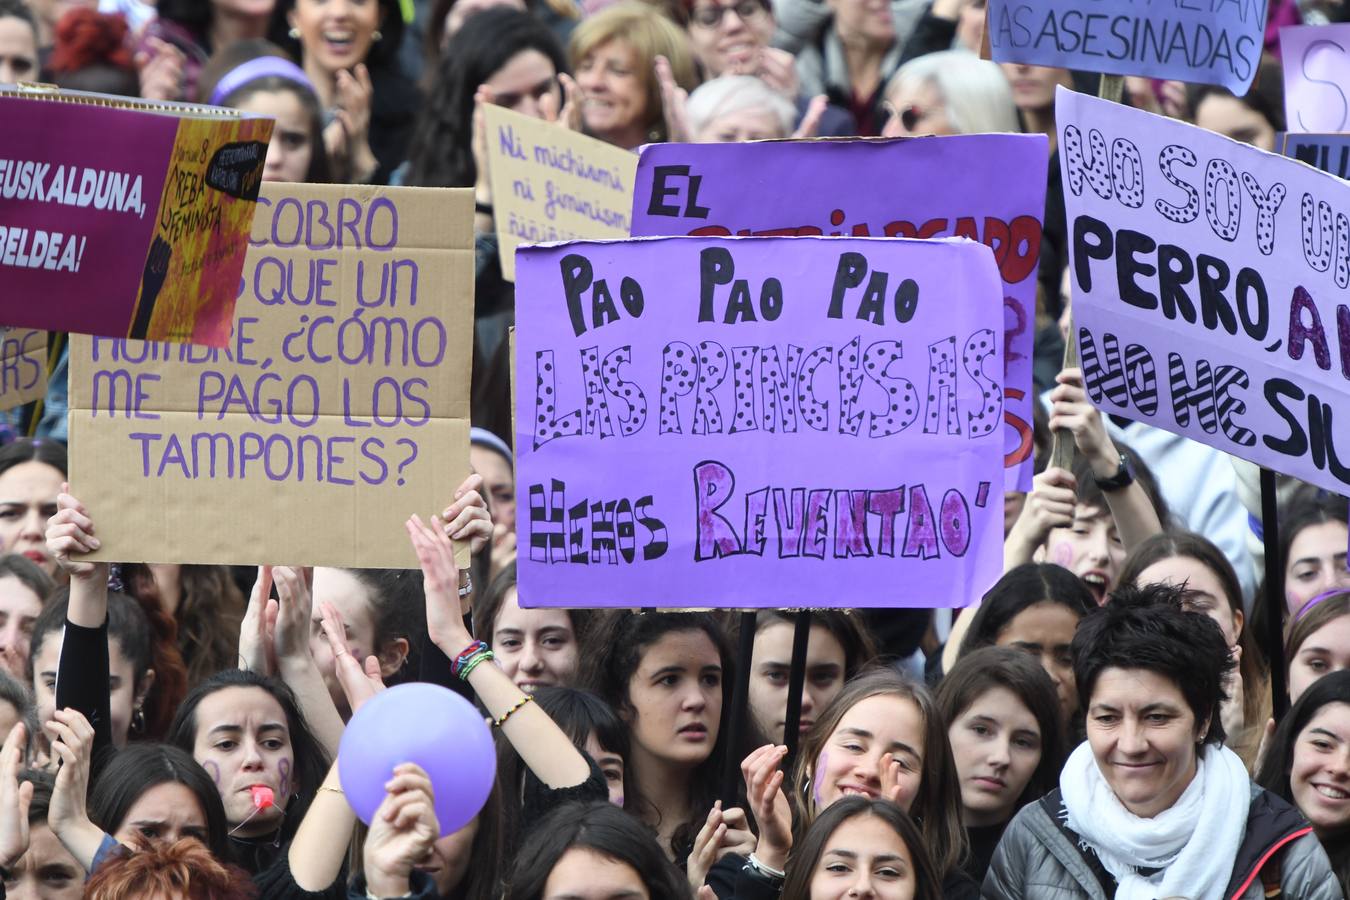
<point x="883" y="737"/>
<point x="1152" y="804"/>
<point x="614" y="57"/>
<point x="348" y="49"/>
<point x="1309" y="765"/>
<point x="1007" y="739"/>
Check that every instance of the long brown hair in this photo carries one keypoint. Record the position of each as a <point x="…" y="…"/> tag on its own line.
<point x="937" y="806"/>
<point x="802" y="866"/>
<point x="210" y="609"/>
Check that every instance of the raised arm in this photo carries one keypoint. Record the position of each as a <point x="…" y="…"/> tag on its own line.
<point x="543" y="746"/>
<point x="82" y="679"/>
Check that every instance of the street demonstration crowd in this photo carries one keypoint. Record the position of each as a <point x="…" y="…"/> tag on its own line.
<point x="1099" y="725"/>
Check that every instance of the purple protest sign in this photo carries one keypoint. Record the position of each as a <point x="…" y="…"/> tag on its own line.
<point x="1210" y="41"/>
<point x="1208" y="287"/>
<point x="1316" y="61"/>
<point x="988" y="187"/>
<point x="758" y="422"/>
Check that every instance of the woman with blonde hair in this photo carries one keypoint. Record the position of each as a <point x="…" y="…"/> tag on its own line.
<point x="615" y="54"/>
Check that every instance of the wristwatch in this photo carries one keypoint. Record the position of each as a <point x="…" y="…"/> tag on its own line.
<point x="1123" y="478"/>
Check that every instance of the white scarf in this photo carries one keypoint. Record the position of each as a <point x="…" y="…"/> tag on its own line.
<point x="1194" y="842"/>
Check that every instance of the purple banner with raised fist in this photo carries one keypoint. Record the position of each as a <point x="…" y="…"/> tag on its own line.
<point x="1208" y="41"/>
<point x="1209" y="285"/>
<point x="988" y="187"/>
<point x="758" y="422"/>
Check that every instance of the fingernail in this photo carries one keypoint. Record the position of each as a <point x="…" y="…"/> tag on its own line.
<point x="95" y="543"/>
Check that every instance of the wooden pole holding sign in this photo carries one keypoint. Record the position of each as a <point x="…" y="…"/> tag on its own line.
<point x="796" y="680"/>
<point x="740" y="708"/>
<point x="1274" y="596"/>
<point x="1112" y="88"/>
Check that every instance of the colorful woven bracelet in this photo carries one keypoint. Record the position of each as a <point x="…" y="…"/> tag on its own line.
<point x="468" y="653"/>
<point x="506" y="715"/>
<point x="472" y="663"/>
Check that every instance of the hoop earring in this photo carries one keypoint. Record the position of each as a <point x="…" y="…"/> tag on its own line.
<point x="376" y="36"/>
<point x="138" y="720"/>
<point x="293" y="34"/>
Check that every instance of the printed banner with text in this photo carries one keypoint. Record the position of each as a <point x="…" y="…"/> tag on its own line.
<point x="988" y="187"/>
<point x="759" y="422"/>
<point x="1209" y="284"/>
<point x="1208" y="41"/>
<point x="552" y="184"/>
<point x="125" y="219"/>
<point x="339" y="407"/>
<point x="1328" y="152"/>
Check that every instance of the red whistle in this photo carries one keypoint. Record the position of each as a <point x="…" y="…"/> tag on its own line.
<point x="262" y="796"/>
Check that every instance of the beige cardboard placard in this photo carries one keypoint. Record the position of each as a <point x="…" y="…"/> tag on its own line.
<point x="552" y="184"/>
<point x="339" y="408"/>
<point x="23" y="366"/>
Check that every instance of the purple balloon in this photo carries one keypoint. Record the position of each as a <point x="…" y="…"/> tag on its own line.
<point x="424" y="724"/>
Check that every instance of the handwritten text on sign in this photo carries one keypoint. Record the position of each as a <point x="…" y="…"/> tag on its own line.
<point x="988" y="187"/>
<point x="1316" y="60"/>
<point x="340" y="404"/>
<point x="1209" y="285"/>
<point x="552" y="184"/>
<point x="759" y="422"/>
<point x="1210" y="41"/>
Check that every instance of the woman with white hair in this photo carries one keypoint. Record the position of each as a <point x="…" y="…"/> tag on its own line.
<point x="950" y="92"/>
<point x="738" y="108"/>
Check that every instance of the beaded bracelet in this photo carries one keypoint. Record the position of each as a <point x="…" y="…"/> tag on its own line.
<point x="506" y="715"/>
<point x="471" y="656"/>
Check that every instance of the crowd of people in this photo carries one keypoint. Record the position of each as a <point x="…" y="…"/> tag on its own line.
<point x="1099" y="724"/>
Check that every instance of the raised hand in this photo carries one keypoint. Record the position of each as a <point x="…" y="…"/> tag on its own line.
<point x="1071" y="410"/>
<point x="468" y="519"/>
<point x="257" y="650"/>
<point x="764" y="793"/>
<point x="402" y="832"/>
<point x="440" y="584"/>
<point x="72" y="743"/>
<point x="14" y="798"/>
<point x="70" y="535"/>
<point x="674" y="102"/>
<point x="294" y="613"/>
<point x="810" y="124"/>
<point x="358" y="683"/>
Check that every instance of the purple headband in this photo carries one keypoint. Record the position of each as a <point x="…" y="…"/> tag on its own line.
<point x="261" y="67"/>
<point x="1325" y="595"/>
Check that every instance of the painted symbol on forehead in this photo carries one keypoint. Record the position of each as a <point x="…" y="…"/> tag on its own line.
<point x="213" y="770"/>
<point x="1062" y="554"/>
<point x="822" y="762"/>
<point x="284" y="784"/>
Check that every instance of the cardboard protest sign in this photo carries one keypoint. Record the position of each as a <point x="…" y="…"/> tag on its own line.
<point x="1209" y="283"/>
<point x="988" y="187"/>
<point x="742" y="422"/>
<point x="1209" y="41"/>
<point x="122" y="218"/>
<point x="339" y="407"/>
<point x="552" y="184"/>
<point x="1328" y="152"/>
<point x="1316" y="61"/>
<point x="23" y="366"/>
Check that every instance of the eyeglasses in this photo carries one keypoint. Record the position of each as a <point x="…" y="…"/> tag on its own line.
<point x="711" y="16"/>
<point x="909" y="117"/>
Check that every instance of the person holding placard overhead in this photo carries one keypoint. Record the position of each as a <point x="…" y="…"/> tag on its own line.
<point x="1152" y="804"/>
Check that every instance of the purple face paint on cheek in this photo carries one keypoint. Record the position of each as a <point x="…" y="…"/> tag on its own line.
<point x="284" y="785"/>
<point x="821" y="762"/>
<point x="1062" y="554"/>
<point x="618" y="801"/>
<point x="213" y="770"/>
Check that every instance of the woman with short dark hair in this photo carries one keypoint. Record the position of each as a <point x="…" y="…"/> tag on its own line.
<point x="1152" y="804"/>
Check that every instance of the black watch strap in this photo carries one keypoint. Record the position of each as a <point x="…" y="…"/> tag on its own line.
<point x="1123" y="478"/>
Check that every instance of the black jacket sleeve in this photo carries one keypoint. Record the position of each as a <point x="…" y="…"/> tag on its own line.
<point x="277" y="883"/>
<point x="930" y="35"/>
<point x="82" y="680"/>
